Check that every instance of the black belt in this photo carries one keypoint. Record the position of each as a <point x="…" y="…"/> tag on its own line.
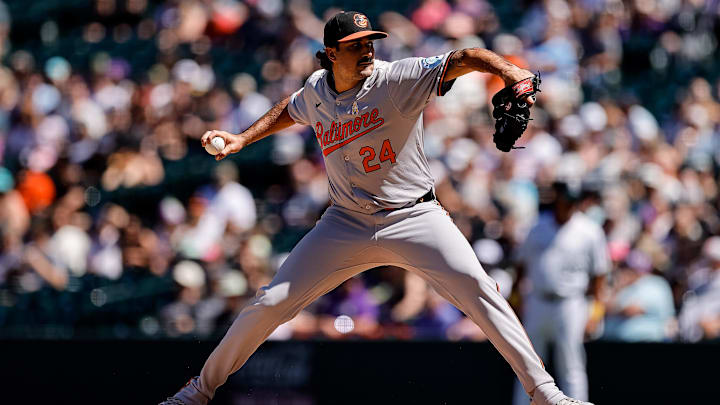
<point x="429" y="196"/>
<point x="551" y="297"/>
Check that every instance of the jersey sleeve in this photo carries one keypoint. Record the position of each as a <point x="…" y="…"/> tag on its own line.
<point x="412" y="82"/>
<point x="298" y="107"/>
<point x="600" y="255"/>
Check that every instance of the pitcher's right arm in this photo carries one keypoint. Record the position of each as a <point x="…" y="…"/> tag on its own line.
<point x="276" y="119"/>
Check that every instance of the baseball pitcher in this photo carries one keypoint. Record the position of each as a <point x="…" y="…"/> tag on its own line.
<point x="368" y="120"/>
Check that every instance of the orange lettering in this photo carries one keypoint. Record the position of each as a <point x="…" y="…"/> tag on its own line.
<point x="347" y="129"/>
<point x="326" y="137"/>
<point x="369" y="154"/>
<point x="373" y="115"/>
<point x="342" y="133"/>
<point x="365" y="120"/>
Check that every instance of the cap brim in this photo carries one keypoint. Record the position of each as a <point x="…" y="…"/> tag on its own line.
<point x="363" y="34"/>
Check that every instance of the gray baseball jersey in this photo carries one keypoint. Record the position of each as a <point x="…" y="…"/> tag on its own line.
<point x="372" y="135"/>
<point x="372" y="141"/>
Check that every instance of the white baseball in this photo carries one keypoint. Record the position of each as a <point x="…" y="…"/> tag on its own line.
<point x="344" y="324"/>
<point x="215" y="146"/>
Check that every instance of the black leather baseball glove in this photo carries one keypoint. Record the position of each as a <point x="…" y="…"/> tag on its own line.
<point x="512" y="112"/>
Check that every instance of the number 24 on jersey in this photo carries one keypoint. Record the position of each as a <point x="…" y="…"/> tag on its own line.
<point x="368" y="153"/>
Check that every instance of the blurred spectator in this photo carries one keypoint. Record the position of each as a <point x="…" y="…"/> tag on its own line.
<point x="213" y="210"/>
<point x="436" y="318"/>
<point x="4" y="28"/>
<point x="190" y="313"/>
<point x="14" y="216"/>
<point x="37" y="190"/>
<point x="641" y="308"/>
<point x="431" y="316"/>
<point x="351" y="298"/>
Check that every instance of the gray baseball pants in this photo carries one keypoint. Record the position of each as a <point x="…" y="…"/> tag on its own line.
<point x="561" y="322"/>
<point x="421" y="239"/>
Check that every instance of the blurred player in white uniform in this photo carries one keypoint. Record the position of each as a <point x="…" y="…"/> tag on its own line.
<point x="563" y="258"/>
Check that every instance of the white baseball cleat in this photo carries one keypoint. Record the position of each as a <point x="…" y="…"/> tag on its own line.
<point x="172" y="401"/>
<point x="572" y="401"/>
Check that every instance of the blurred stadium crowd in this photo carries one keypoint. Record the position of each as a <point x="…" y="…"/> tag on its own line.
<point x="115" y="223"/>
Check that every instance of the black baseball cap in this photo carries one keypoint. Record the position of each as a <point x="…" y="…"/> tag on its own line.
<point x="348" y="26"/>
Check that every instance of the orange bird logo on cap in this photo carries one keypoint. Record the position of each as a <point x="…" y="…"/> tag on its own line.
<point x="360" y="20"/>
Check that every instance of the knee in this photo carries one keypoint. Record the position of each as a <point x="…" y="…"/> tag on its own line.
<point x="478" y="283"/>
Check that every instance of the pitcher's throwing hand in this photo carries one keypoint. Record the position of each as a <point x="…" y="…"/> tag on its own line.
<point x="233" y="143"/>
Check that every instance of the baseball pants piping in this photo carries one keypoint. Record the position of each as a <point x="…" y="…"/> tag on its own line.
<point x="422" y="239"/>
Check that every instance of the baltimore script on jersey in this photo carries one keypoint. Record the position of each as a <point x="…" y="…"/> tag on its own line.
<point x="339" y="133"/>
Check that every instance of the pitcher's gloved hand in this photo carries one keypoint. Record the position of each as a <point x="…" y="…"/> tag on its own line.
<point x="512" y="111"/>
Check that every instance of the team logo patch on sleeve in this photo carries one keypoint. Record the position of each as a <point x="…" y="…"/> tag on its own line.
<point x="431" y="62"/>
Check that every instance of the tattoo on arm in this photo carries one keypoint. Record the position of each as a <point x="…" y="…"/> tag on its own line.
<point x="482" y="60"/>
<point x="273" y="121"/>
<point x="490" y="62"/>
<point x="456" y="59"/>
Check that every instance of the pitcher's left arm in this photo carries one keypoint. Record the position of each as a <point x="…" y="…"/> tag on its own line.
<point x="469" y="60"/>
